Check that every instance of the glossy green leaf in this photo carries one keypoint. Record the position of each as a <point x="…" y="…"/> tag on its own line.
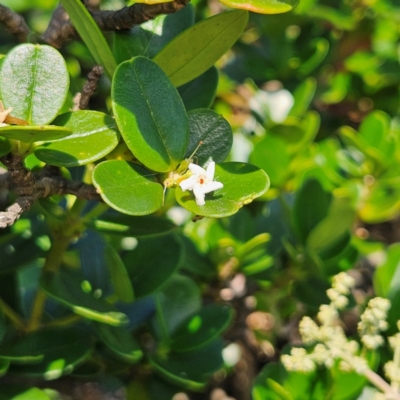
<point x="119" y="275"/>
<point x="201" y="328"/>
<point x="263" y="6"/>
<point x="272" y="155"/>
<point x="66" y="288"/>
<point x="90" y="33"/>
<point x="61" y="351"/>
<point x="150" y="114"/>
<point x="200" y="92"/>
<point x="190" y="370"/>
<point x="5" y="146"/>
<point x="128" y="187"/>
<point x="242" y="184"/>
<point x="149" y="38"/>
<point x="213" y="131"/>
<point x="120" y="224"/>
<point x="94" y="134"/>
<point x="179" y="299"/>
<point x="120" y="341"/>
<point x="34" y="91"/>
<point x="152" y="263"/>
<point x="321" y="48"/>
<point x="310" y="208"/>
<point x="197" y="49"/>
<point x="375" y="129"/>
<point x="29" y="134"/>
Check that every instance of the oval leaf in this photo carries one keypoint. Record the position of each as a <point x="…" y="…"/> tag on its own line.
<point x="214" y="131"/>
<point x="197" y="49"/>
<point x="34" y="91"/>
<point x="128" y="187"/>
<point x="30" y="134"/>
<point x="242" y="184"/>
<point x="150" y="114"/>
<point x="263" y="6"/>
<point x="152" y="263"/>
<point x="94" y="135"/>
<point x="66" y="288"/>
<point x="202" y="327"/>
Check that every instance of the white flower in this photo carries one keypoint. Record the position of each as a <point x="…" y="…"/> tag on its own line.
<point x="201" y="182"/>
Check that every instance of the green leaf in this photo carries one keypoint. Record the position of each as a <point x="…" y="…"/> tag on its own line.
<point x="18" y="393"/>
<point x="310" y="208"/>
<point x="121" y="224"/>
<point x="263" y="6"/>
<point x="153" y="262"/>
<point x="303" y="95"/>
<point x="90" y="33"/>
<point x="120" y="341"/>
<point x="150" y="114"/>
<point x="94" y="134"/>
<point x="34" y="91"/>
<point x="128" y="187"/>
<point x="375" y="128"/>
<point x="30" y="134"/>
<point x="180" y="298"/>
<point x="387" y="276"/>
<point x="200" y="92"/>
<point x="272" y="155"/>
<point x="242" y="184"/>
<point x="213" y="131"/>
<point x="119" y="275"/>
<point x="201" y="327"/>
<point x="61" y="350"/>
<point x="149" y="38"/>
<point x="190" y="370"/>
<point x="5" y="146"/>
<point x="197" y="49"/>
<point x="66" y="288"/>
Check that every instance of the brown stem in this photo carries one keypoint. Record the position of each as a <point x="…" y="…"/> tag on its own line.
<point x="14" y="23"/>
<point x="61" y="30"/>
<point x="82" y="101"/>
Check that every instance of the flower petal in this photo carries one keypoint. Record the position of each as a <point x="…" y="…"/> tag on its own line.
<point x="199" y="195"/>
<point x="188" y="184"/>
<point x="196" y="169"/>
<point x="210" y="171"/>
<point x="211" y="186"/>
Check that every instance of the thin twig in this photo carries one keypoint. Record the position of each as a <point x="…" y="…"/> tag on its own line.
<point x="30" y="187"/>
<point x="81" y="102"/>
<point x="61" y="30"/>
<point x="14" y="23"/>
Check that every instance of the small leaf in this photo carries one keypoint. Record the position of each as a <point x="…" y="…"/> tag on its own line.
<point x="263" y="6"/>
<point x="197" y="49"/>
<point x="128" y="187"/>
<point x="61" y="351"/>
<point x="90" y="33"/>
<point x="94" y="135"/>
<point x="5" y="146"/>
<point x="19" y="393"/>
<point x="120" y="341"/>
<point x="200" y="92"/>
<point x="34" y="91"/>
<point x="30" y="134"/>
<point x="303" y="95"/>
<point x="150" y="114"/>
<point x="121" y="224"/>
<point x="242" y="184"/>
<point x="149" y="38"/>
<point x="190" y="370"/>
<point x="66" y="288"/>
<point x="213" y="131"/>
<point x="201" y="327"/>
<point x="152" y="263"/>
<point x="119" y="275"/>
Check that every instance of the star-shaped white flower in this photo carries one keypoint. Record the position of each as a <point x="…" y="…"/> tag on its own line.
<point x="201" y="182"/>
